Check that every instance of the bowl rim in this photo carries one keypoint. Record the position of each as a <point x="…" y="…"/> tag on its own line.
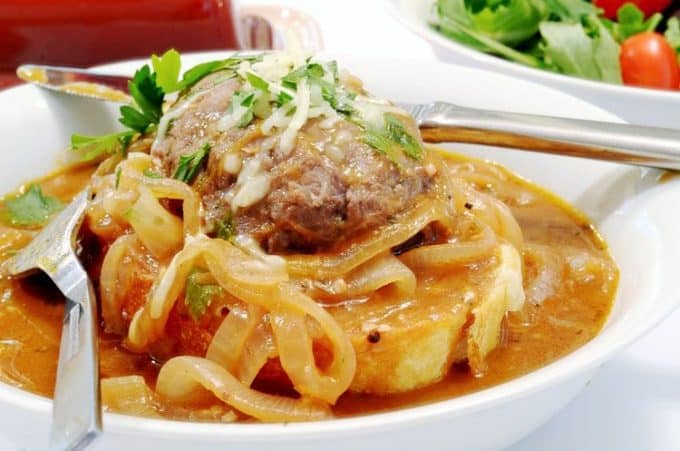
<point x="403" y="13"/>
<point x="579" y="361"/>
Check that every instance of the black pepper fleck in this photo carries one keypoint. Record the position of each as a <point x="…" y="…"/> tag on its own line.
<point x="468" y="205"/>
<point x="373" y="337"/>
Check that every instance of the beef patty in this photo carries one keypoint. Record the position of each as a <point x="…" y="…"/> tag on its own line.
<point x="329" y="187"/>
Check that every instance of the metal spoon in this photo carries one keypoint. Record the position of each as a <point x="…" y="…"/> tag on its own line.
<point x="76" y="412"/>
<point x="446" y="122"/>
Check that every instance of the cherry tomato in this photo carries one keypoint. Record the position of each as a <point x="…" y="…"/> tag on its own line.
<point x="648" y="7"/>
<point x="648" y="60"/>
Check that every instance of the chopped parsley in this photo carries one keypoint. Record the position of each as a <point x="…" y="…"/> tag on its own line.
<point x="93" y="147"/>
<point x="198" y="297"/>
<point x="310" y="71"/>
<point x="225" y="229"/>
<point x="148" y="172"/>
<point x="167" y="68"/>
<point x="382" y="144"/>
<point x="397" y="133"/>
<point x="189" y="165"/>
<point x="257" y="82"/>
<point x="31" y="208"/>
<point x="393" y="137"/>
<point x="148" y="89"/>
<point x="246" y="101"/>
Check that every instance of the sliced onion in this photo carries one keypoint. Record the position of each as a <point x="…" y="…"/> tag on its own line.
<point x="182" y="379"/>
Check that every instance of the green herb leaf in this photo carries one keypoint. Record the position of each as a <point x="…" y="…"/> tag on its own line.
<point x="167" y="68"/>
<point x="119" y="172"/>
<point x="32" y="208"/>
<point x="134" y="119"/>
<point x="310" y="71"/>
<point x="198" y="297"/>
<point x="189" y="165"/>
<point x="397" y="133"/>
<point x="225" y="229"/>
<point x="632" y="21"/>
<point x="247" y="101"/>
<point x="382" y="144"/>
<point x="257" y="82"/>
<point x="672" y="33"/>
<point x="148" y="172"/>
<point x="148" y="97"/>
<point x="93" y="147"/>
<point x="199" y="71"/>
<point x="283" y="98"/>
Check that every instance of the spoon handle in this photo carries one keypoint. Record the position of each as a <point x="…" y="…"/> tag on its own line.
<point x="622" y="143"/>
<point x="76" y="411"/>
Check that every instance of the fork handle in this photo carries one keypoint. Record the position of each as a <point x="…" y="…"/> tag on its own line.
<point x="622" y="143"/>
<point x="76" y="409"/>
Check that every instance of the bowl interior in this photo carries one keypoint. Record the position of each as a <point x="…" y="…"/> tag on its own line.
<point x="631" y="208"/>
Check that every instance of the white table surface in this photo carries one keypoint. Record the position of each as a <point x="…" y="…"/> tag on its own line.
<point x="633" y="403"/>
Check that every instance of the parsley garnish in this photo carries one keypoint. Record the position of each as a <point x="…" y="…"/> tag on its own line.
<point x="189" y="165"/>
<point x="397" y="133"/>
<point x="225" y="229"/>
<point x="199" y="297"/>
<point x="95" y="146"/>
<point x="246" y="101"/>
<point x="32" y="208"/>
<point x="148" y="172"/>
<point x="167" y="68"/>
<point x="382" y="144"/>
<point x="283" y="98"/>
<point x="257" y="82"/>
<point x="311" y="71"/>
<point x="393" y="137"/>
<point x="148" y="97"/>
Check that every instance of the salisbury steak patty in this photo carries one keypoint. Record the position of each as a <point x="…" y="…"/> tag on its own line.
<point x="329" y="186"/>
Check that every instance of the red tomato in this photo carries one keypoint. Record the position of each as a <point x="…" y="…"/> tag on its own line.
<point x="648" y="7"/>
<point x="648" y="60"/>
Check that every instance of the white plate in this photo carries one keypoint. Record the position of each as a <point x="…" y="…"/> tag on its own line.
<point x="637" y="105"/>
<point x="635" y="215"/>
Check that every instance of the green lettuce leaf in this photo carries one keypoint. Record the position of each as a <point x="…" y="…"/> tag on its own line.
<point x="574" y="51"/>
<point x="672" y="33"/>
<point x="570" y="10"/>
<point x="632" y="21"/>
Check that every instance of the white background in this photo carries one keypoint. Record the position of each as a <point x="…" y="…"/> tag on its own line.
<point x="633" y="403"/>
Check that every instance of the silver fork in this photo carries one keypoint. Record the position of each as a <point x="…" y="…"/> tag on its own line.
<point x="623" y="143"/>
<point x="76" y="413"/>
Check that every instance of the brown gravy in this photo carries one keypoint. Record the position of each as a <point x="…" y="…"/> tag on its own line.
<point x="31" y="310"/>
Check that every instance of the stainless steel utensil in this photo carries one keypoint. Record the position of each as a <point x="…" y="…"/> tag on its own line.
<point x="76" y="412"/>
<point x="621" y="143"/>
<point x="446" y="122"/>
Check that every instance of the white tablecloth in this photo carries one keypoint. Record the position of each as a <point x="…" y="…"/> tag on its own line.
<point x="633" y="403"/>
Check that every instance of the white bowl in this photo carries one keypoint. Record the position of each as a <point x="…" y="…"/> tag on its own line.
<point x="631" y="209"/>
<point x="636" y="105"/>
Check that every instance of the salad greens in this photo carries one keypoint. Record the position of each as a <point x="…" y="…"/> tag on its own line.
<point x="566" y="36"/>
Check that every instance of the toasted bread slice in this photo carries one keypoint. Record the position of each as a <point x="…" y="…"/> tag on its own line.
<point x="410" y="343"/>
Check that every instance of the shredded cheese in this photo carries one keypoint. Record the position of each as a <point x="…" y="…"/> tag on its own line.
<point x="299" y="117"/>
